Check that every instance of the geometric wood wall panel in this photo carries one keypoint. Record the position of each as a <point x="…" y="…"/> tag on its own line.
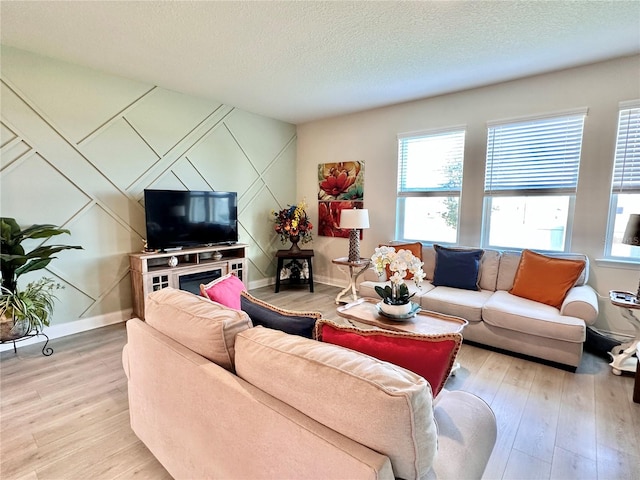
<point x="79" y="147"/>
<point x="77" y="100"/>
<point x="104" y="258"/>
<point x="221" y="160"/>
<point x="261" y="138"/>
<point x="34" y="189"/>
<point x="119" y="153"/>
<point x="164" y="117"/>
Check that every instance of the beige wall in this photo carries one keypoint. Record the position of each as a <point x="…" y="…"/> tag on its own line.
<point x="371" y="137"/>
<point x="78" y="148"/>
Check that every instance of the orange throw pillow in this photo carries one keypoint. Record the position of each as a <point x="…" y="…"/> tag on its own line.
<point x="414" y="248"/>
<point x="545" y="279"/>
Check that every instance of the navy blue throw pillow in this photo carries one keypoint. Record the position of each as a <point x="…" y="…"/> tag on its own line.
<point x="269" y="316"/>
<point x="457" y="268"/>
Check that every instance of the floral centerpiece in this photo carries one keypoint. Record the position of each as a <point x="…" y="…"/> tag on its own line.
<point x="292" y="224"/>
<point x="396" y="299"/>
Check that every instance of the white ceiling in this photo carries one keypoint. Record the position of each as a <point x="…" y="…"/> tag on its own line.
<point x="304" y="60"/>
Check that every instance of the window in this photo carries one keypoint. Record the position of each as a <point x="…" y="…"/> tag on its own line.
<point x="429" y="185"/>
<point x="625" y="187"/>
<point x="530" y="181"/>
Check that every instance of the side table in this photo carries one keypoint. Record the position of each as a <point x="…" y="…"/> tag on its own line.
<point x="636" y="385"/>
<point x="283" y="255"/>
<point x="355" y="270"/>
<point x="622" y="355"/>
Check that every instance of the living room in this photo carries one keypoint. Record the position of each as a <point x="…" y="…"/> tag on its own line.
<point x="79" y="146"/>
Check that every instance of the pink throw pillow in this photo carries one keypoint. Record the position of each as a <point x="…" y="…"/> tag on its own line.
<point x="225" y="290"/>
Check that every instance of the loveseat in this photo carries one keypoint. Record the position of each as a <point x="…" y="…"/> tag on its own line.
<point x="497" y="316"/>
<point x="212" y="396"/>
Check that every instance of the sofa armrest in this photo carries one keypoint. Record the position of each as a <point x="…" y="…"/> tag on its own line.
<point x="581" y="302"/>
<point x="371" y="275"/>
<point x="125" y="361"/>
<point x="467" y="429"/>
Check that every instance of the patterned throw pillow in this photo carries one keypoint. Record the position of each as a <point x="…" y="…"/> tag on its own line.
<point x="430" y="356"/>
<point x="288" y="321"/>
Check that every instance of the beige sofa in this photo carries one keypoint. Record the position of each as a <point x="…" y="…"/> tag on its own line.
<point x="502" y="320"/>
<point x="213" y="397"/>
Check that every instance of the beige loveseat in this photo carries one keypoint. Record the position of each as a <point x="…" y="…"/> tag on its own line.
<point x="211" y="396"/>
<point x="505" y="321"/>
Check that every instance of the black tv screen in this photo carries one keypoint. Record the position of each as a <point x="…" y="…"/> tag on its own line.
<point x="178" y="218"/>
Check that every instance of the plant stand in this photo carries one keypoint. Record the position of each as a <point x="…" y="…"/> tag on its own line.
<point x="46" y="351"/>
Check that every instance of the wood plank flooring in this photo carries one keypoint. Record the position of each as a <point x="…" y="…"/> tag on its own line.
<point x="66" y="416"/>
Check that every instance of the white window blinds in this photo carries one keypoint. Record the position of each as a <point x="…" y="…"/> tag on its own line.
<point x="626" y="170"/>
<point x="431" y="162"/>
<point x="541" y="155"/>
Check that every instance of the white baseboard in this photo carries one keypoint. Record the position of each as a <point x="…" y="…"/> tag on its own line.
<point x="70" y="328"/>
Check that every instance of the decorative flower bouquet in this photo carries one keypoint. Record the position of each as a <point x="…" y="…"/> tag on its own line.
<point x="399" y="263"/>
<point x="293" y="221"/>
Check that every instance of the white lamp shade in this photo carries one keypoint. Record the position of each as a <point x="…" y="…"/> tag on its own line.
<point x="354" y="218"/>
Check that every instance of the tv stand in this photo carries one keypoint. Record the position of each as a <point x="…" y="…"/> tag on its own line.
<point x="151" y="271"/>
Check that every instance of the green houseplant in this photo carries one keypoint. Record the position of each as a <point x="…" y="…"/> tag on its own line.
<point x="26" y="310"/>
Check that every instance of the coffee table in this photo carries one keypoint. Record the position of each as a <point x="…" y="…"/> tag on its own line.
<point x="424" y="322"/>
<point x="364" y="310"/>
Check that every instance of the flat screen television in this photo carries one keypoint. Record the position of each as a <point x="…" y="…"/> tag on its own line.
<point x="176" y="218"/>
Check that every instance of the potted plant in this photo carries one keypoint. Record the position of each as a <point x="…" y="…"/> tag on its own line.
<point x="23" y="311"/>
<point x="396" y="300"/>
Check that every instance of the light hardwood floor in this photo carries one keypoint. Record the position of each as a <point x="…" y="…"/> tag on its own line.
<point x="66" y="416"/>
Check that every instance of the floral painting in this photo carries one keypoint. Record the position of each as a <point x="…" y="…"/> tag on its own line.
<point x="341" y="181"/>
<point x="329" y="218"/>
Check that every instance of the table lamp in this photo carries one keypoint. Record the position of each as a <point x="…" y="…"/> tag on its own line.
<point x="632" y="237"/>
<point x="354" y="219"/>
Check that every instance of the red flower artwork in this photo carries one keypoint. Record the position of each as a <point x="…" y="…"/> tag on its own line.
<point x="329" y="218"/>
<point x="341" y="181"/>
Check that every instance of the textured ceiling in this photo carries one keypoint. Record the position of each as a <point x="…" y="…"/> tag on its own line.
<point x="301" y="61"/>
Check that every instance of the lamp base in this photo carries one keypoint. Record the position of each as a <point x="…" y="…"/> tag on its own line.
<point x="354" y="246"/>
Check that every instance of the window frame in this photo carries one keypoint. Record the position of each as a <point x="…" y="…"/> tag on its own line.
<point x="489" y="194"/>
<point x="615" y="192"/>
<point x="403" y="194"/>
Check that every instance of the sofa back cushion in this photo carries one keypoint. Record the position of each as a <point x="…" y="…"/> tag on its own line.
<point x="510" y="260"/>
<point x="201" y="325"/>
<point x="382" y="406"/>
<point x="489" y="265"/>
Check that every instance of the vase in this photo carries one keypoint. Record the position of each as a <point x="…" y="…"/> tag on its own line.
<point x="396" y="310"/>
<point x="294" y="239"/>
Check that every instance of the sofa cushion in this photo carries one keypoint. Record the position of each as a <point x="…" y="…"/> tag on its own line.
<point x="224" y="290"/>
<point x="508" y="311"/>
<point x="545" y="279"/>
<point x="489" y="266"/>
<point x="382" y="406"/>
<point x="289" y="321"/>
<point x="199" y="324"/>
<point x="415" y="248"/>
<point x="457" y="302"/>
<point x="431" y="356"/>
<point x="457" y="267"/>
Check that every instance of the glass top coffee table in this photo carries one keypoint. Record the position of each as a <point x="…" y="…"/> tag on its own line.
<point x="364" y="310"/>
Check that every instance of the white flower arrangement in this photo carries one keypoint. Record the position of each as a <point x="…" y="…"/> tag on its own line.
<point x="400" y="263"/>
